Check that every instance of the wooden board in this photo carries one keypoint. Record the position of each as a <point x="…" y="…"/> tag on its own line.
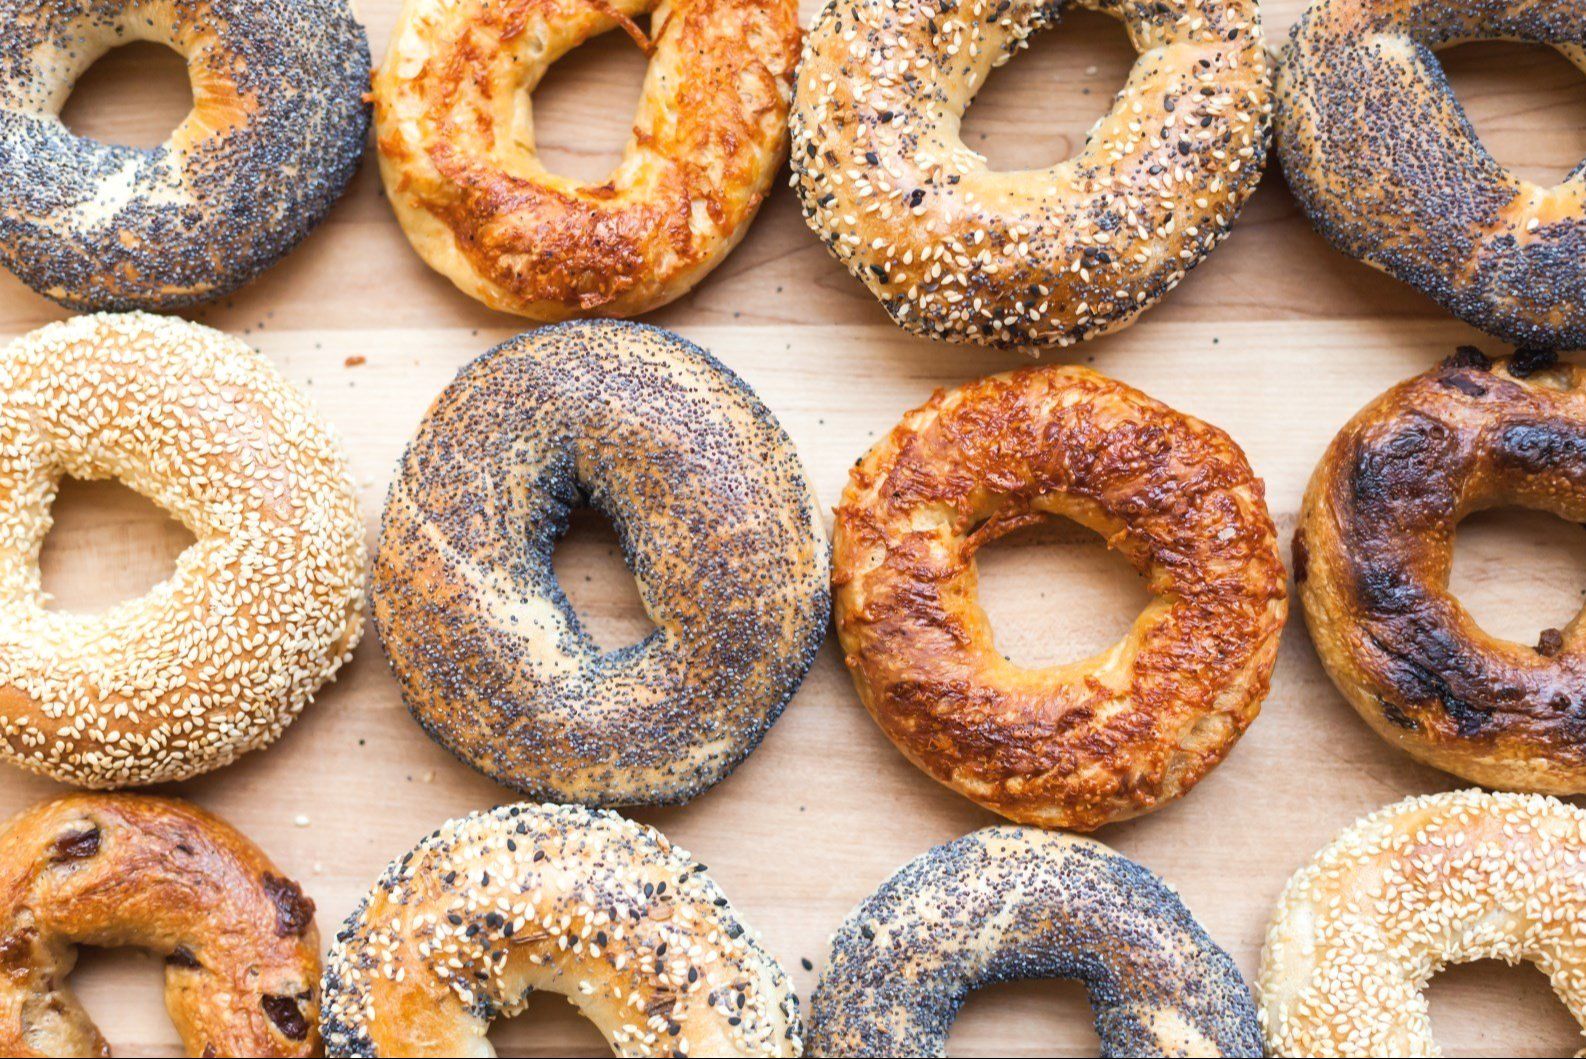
<point x="1277" y="339"/>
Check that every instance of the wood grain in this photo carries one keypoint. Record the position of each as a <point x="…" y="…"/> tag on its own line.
<point x="1277" y="339"/>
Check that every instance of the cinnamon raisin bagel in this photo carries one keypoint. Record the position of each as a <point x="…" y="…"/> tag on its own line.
<point x="1086" y="743"/>
<point x="456" y="137"/>
<point x="1432" y="881"/>
<point x="262" y="608"/>
<point x="1381" y="155"/>
<point x="584" y="903"/>
<point x="718" y="524"/>
<point x="276" y="132"/>
<point x="1374" y="548"/>
<point x="958" y="251"/>
<point x="241" y="952"/>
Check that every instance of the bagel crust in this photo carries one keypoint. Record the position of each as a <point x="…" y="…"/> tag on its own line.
<point x="1013" y="903"/>
<point x="456" y="139"/>
<point x="1077" y="745"/>
<point x="1046" y="257"/>
<point x="263" y="607"/>
<point x="241" y="952"/>
<point x="1432" y="881"/>
<point x="1374" y="548"/>
<point x="575" y="901"/>
<point x="1379" y="152"/>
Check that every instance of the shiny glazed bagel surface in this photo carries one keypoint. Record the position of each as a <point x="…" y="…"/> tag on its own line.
<point x="456" y="138"/>
<point x="1086" y="743"/>
<point x="955" y="250"/>
<point x="1374" y="549"/>
<point x="575" y="901"/>
<point x="1379" y="151"/>
<point x="241" y="952"/>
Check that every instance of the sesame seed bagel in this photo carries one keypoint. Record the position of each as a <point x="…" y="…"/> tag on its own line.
<point x="580" y="902"/>
<point x="1434" y="880"/>
<point x="456" y="135"/>
<point x="1380" y="153"/>
<point x="276" y="131"/>
<point x="1094" y="741"/>
<point x="241" y="952"/>
<point x="262" y="608"/>
<point x="1374" y="549"/>
<point x="955" y="250"/>
<point x="717" y="522"/>
<point x="1014" y="903"/>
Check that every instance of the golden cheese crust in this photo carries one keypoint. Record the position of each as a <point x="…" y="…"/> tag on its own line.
<point x="957" y="251"/>
<point x="456" y="142"/>
<point x="241" y="952"/>
<point x="1374" y="548"/>
<point x="1108" y="738"/>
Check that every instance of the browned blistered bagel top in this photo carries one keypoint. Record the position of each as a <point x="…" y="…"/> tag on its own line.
<point x="1103" y="739"/>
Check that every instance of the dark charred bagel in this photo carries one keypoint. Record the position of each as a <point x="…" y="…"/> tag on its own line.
<point x="1374" y="548"/>
<point x="1012" y="903"/>
<point x="1112" y="736"/>
<point x="957" y="251"/>
<point x="276" y="131"/>
<point x="718" y="524"/>
<point x="1380" y="153"/>
<point x="241" y="952"/>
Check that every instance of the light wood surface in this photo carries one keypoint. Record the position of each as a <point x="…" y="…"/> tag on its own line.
<point x="1276" y="338"/>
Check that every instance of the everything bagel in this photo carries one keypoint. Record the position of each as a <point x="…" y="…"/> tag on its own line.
<point x="955" y="250"/>
<point x="1374" y="548"/>
<point x="585" y="903"/>
<point x="1378" y="150"/>
<point x="1104" y="739"/>
<point x="276" y="131"/>
<point x="456" y="138"/>
<point x="718" y="524"/>
<point x="263" y="607"/>
<point x="241" y="952"/>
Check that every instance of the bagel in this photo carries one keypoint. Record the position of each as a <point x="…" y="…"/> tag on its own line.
<point x="955" y="250"/>
<point x="1014" y="903"/>
<point x="262" y="608"/>
<point x="456" y="135"/>
<point x="276" y="131"/>
<point x="1373" y="551"/>
<point x="1439" y="879"/>
<point x="241" y="952"/>
<point x="584" y="903"/>
<point x="1382" y="157"/>
<point x="718" y="524"/>
<point x="1083" y="744"/>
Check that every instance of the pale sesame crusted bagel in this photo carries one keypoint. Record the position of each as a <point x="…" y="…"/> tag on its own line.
<point x="1433" y="880"/>
<point x="1012" y="903"/>
<point x="955" y="250"/>
<point x="242" y="967"/>
<point x="1382" y="156"/>
<point x="717" y="522"/>
<point x="261" y="610"/>
<point x="580" y="902"/>
<point x="276" y="131"/>
<point x="456" y="136"/>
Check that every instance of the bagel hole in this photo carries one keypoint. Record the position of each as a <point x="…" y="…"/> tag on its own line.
<point x="550" y="1025"/>
<point x="123" y="991"/>
<point x="590" y="567"/>
<point x="1025" y="1018"/>
<point x="1498" y="1009"/>
<point x="1055" y="594"/>
<point x="134" y="96"/>
<point x="1517" y="571"/>
<point x="1527" y="103"/>
<point x="585" y="104"/>
<point x="108" y="544"/>
<point x="1036" y="110"/>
